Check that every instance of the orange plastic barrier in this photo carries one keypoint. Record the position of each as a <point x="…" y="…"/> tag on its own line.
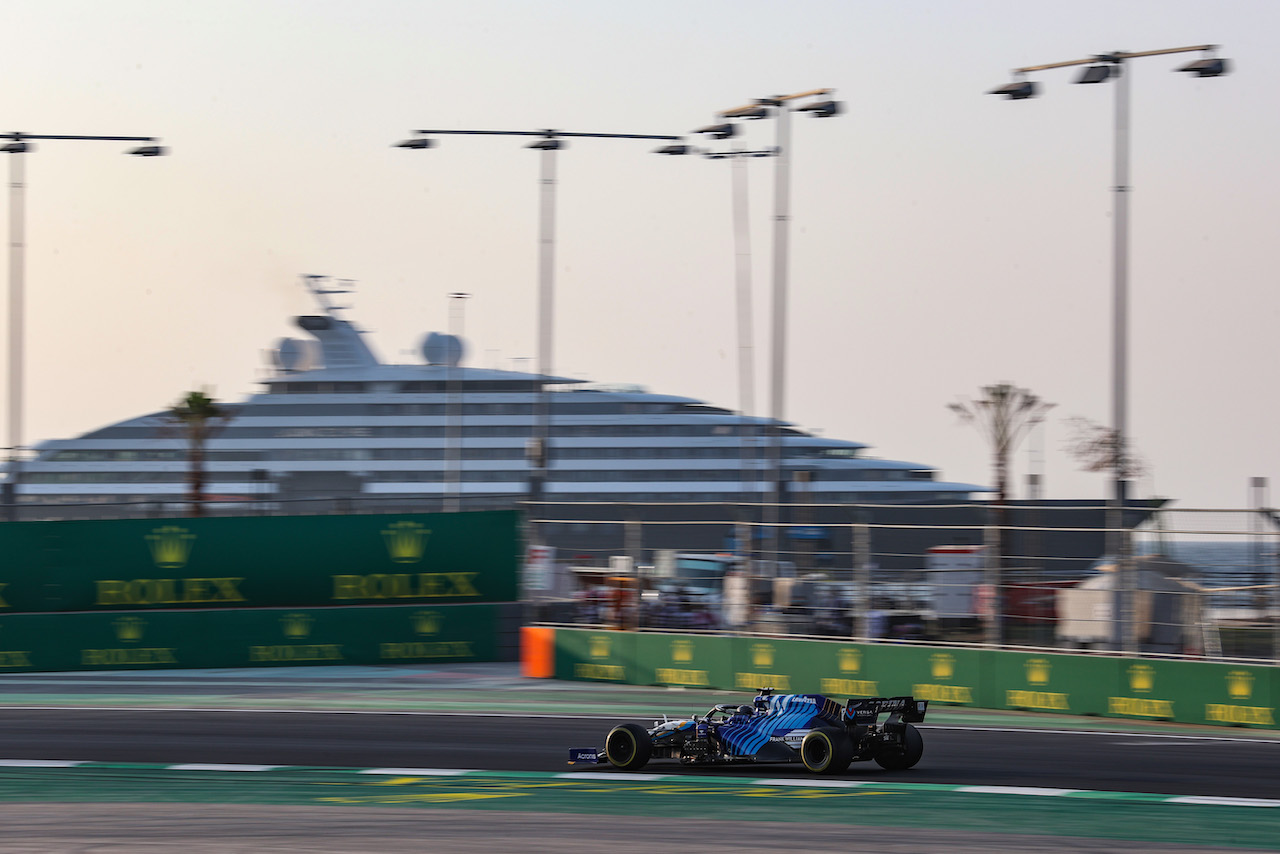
<point x="538" y="652"/>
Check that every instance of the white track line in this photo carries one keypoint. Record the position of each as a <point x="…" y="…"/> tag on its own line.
<point x="419" y="772"/>
<point x="198" y="766"/>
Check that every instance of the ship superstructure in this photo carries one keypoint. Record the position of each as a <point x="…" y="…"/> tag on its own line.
<point x="336" y="421"/>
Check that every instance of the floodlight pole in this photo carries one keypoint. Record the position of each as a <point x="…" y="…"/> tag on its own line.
<point x="1125" y="636"/>
<point x="540" y="456"/>
<point x="749" y="473"/>
<point x="749" y="457"/>
<point x="549" y="142"/>
<point x="456" y="404"/>
<point x="17" y="310"/>
<point x="17" y="149"/>
<point x="746" y="335"/>
<point x="1124" y="632"/>
<point x="781" y="256"/>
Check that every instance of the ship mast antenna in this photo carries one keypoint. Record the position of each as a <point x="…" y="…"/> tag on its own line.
<point x="325" y="287"/>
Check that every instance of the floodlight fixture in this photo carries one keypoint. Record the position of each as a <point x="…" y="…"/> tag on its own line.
<point x="1016" y="91"/>
<point x="1098" y="73"/>
<point x="17" y="148"/>
<point x="549" y="144"/>
<point x="760" y="112"/>
<point x="736" y="153"/>
<point x="418" y="142"/>
<point x="822" y="109"/>
<point x="1211" y="66"/>
<point x="722" y="131"/>
<point x="676" y="149"/>
<point x="149" y="151"/>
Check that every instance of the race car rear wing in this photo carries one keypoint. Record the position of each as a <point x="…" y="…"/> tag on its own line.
<point x="867" y="710"/>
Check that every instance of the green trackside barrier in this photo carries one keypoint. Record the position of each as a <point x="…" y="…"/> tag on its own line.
<point x="695" y="661"/>
<point x="258" y="562"/>
<point x="1196" y="692"/>
<point x="602" y="656"/>
<point x="949" y="676"/>
<point x="1193" y="692"/>
<point x="257" y="637"/>
<point x="1065" y="684"/>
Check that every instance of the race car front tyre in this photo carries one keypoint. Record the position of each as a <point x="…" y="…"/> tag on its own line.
<point x="905" y="756"/>
<point x="628" y="747"/>
<point x="827" y="751"/>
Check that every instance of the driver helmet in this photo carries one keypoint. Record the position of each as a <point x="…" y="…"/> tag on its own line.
<point x="746" y="710"/>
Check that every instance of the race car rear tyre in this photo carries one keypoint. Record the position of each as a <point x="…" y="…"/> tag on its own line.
<point x="628" y="747"/>
<point x="900" y="759"/>
<point x="827" y="751"/>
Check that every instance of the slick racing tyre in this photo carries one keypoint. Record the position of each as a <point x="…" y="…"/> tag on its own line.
<point x="628" y="747"/>
<point x="907" y="755"/>
<point x="827" y="751"/>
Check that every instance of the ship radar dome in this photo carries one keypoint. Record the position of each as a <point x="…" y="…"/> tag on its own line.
<point x="291" y="355"/>
<point x="441" y="349"/>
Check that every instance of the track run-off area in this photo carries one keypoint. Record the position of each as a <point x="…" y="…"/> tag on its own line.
<point x="354" y="759"/>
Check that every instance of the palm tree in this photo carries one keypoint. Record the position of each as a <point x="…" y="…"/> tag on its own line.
<point x="1004" y="414"/>
<point x="199" y="416"/>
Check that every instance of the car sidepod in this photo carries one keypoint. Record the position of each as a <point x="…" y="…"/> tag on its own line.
<point x="777" y="732"/>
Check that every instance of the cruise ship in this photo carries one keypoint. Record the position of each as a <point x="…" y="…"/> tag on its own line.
<point x="336" y="422"/>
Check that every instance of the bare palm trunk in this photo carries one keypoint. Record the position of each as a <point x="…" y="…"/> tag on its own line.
<point x="196" y="477"/>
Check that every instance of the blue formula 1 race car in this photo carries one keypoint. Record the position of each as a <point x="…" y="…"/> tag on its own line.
<point x="807" y="728"/>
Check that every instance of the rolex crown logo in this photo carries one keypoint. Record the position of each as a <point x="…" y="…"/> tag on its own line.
<point x="850" y="660"/>
<point x="681" y="650"/>
<point x="296" y="625"/>
<point x="1038" y="671"/>
<point x="129" y="629"/>
<point x="170" y="546"/>
<point x="1142" y="677"/>
<point x="942" y="665"/>
<point x="1239" y="684"/>
<point x="405" y="541"/>
<point x="761" y="655"/>
<point x="426" y="622"/>
<point x="598" y="645"/>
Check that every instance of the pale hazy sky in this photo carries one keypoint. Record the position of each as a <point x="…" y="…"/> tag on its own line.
<point x="943" y="239"/>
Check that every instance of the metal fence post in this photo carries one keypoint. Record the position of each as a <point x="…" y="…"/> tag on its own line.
<point x="861" y="534"/>
<point x="994" y="583"/>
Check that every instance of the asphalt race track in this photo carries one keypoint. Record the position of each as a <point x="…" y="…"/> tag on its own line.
<point x="1229" y="765"/>
<point x="1056" y="783"/>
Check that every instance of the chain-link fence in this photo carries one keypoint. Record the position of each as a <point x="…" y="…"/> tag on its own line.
<point x="1050" y="574"/>
<point x="1163" y="582"/>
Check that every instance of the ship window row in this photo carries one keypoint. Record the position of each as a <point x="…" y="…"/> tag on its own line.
<point x="644" y="453"/>
<point x="570" y="476"/>
<point x="148" y="456"/>
<point x="620" y="497"/>
<point x="413" y="432"/>
<point x="605" y="476"/>
<point x="361" y="454"/>
<point x="412" y="387"/>
<point x="127" y="477"/>
<point x="293" y="454"/>
<point x="261" y="410"/>
<point x="558" y="407"/>
<point x="393" y="454"/>
<point x="750" y="495"/>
